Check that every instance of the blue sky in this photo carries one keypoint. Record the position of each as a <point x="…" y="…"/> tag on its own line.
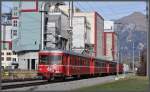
<point x="109" y="10"/>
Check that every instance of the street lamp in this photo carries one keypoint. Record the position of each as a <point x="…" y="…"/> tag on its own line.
<point x="132" y="40"/>
<point x="118" y="46"/>
<point x="133" y="65"/>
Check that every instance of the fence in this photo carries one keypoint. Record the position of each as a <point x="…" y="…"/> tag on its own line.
<point x="18" y="74"/>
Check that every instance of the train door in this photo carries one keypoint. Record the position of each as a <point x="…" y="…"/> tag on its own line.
<point x="68" y="66"/>
<point x="64" y="63"/>
<point x="108" y="68"/>
<point x="91" y="66"/>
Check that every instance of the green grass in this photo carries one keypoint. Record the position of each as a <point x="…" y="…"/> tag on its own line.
<point x="133" y="84"/>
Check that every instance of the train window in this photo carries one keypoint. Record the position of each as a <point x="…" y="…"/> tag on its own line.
<point x="81" y="61"/>
<point x="55" y="59"/>
<point x="71" y="60"/>
<point x="64" y="60"/>
<point x="75" y="62"/>
<point x="44" y="59"/>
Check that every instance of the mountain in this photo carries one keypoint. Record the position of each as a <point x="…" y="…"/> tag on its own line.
<point x="132" y="28"/>
<point x="135" y="18"/>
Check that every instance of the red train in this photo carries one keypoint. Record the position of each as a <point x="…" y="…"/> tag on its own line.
<point x="62" y="64"/>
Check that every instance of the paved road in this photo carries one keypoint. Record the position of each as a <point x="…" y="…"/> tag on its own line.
<point x="66" y="86"/>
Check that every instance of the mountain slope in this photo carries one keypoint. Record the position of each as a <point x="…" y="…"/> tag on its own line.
<point x="132" y="28"/>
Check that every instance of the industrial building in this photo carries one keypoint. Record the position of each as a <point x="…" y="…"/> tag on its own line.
<point x="93" y="39"/>
<point x="38" y="26"/>
<point x="88" y="28"/>
<point x="110" y="41"/>
<point x="8" y="57"/>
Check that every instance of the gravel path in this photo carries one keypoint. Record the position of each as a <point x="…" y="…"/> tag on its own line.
<point x="66" y="86"/>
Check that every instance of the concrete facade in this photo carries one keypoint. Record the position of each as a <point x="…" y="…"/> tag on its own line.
<point x="57" y="33"/>
<point x="28" y="60"/>
<point x="9" y="59"/>
<point x="26" y="34"/>
<point x="79" y="32"/>
<point x="94" y="33"/>
<point x="110" y="41"/>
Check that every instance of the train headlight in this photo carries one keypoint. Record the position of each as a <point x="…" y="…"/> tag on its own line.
<point x="40" y="69"/>
<point x="50" y="69"/>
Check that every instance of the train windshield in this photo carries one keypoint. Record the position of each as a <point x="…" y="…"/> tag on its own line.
<point x="44" y="59"/>
<point x="55" y="60"/>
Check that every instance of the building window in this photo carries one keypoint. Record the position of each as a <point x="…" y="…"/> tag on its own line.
<point x="14" y="32"/>
<point x="14" y="59"/>
<point x="8" y="53"/>
<point x="14" y="53"/>
<point x="2" y="58"/>
<point x="8" y="59"/>
<point x="15" y="8"/>
<point x="2" y="53"/>
<point x="15" y="23"/>
<point x="15" y="13"/>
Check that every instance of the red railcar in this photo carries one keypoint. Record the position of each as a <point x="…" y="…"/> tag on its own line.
<point x="58" y="63"/>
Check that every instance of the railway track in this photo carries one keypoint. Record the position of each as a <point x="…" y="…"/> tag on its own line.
<point x="19" y="84"/>
<point x="19" y="80"/>
<point x="10" y="85"/>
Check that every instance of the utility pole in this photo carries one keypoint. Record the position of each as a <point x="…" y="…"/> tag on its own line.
<point x="133" y="49"/>
<point x="133" y="65"/>
<point x="118" y="48"/>
<point x="118" y="53"/>
<point x="0" y="48"/>
<point x="148" y="36"/>
<point x="71" y="13"/>
<point x="42" y="24"/>
<point x="139" y="55"/>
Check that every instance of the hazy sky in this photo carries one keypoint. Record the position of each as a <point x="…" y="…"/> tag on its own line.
<point x="109" y="10"/>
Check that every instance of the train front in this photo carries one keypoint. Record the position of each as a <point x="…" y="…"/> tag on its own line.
<point x="50" y="64"/>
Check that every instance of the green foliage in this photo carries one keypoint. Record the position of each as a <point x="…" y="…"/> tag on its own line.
<point x="142" y="68"/>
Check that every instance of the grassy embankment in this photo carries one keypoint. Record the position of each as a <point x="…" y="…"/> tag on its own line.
<point x="132" y="84"/>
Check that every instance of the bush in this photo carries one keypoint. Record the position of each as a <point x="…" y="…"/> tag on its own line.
<point x="143" y="66"/>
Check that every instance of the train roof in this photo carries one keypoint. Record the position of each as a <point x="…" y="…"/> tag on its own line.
<point x="64" y="51"/>
<point x="73" y="53"/>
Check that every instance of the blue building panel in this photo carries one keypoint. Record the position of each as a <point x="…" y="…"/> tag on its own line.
<point x="29" y="31"/>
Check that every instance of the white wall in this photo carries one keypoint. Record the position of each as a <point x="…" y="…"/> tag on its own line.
<point x="6" y="31"/>
<point x="6" y="62"/>
<point x="23" y="59"/>
<point x="109" y="26"/>
<point x="109" y="46"/>
<point x="99" y="34"/>
<point x="90" y="23"/>
<point x="79" y="32"/>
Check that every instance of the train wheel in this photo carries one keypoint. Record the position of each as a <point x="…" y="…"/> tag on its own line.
<point x="77" y="77"/>
<point x="63" y="78"/>
<point x="51" y="79"/>
<point x="43" y="77"/>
